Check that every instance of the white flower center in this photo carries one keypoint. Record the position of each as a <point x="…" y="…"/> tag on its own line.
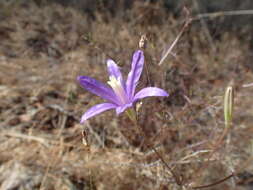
<point x="118" y="89"/>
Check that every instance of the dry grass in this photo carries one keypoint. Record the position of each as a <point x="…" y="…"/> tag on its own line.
<point x="41" y="103"/>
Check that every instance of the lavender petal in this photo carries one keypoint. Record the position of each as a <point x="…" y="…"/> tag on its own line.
<point x="135" y="73"/>
<point x="114" y="70"/>
<point x="97" y="109"/>
<point x="97" y="88"/>
<point x="150" y="91"/>
<point x="121" y="109"/>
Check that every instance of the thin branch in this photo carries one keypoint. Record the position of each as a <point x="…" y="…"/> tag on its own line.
<point x="247" y="85"/>
<point x="175" y="176"/>
<point x="205" y="29"/>
<point x="175" y="41"/>
<point x="222" y="13"/>
<point x="28" y="137"/>
<point x="215" y="183"/>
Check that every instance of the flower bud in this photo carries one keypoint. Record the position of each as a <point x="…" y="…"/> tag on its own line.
<point x="228" y="105"/>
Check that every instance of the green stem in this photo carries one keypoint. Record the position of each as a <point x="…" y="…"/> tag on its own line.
<point x="132" y="115"/>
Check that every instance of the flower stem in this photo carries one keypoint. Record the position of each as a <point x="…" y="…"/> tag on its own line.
<point x="131" y="113"/>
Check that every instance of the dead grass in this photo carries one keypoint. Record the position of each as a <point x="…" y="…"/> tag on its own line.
<point x="41" y="103"/>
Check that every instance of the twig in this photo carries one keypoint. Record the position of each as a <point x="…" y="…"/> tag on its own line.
<point x="215" y="183"/>
<point x="222" y="13"/>
<point x="233" y="174"/>
<point x="52" y="161"/>
<point x="23" y="136"/>
<point x="100" y="141"/>
<point x="151" y="164"/>
<point x="215" y="148"/>
<point x="205" y="29"/>
<point x="247" y="85"/>
<point x="63" y="124"/>
<point x="62" y="110"/>
<point x="175" y="176"/>
<point x="175" y="41"/>
<point x="41" y="140"/>
<point x="194" y="154"/>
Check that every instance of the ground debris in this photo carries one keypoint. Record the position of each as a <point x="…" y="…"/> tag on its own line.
<point x="15" y="175"/>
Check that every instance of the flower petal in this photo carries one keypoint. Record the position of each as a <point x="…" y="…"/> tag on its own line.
<point x="135" y="73"/>
<point x="114" y="70"/>
<point x="97" y="109"/>
<point x="97" y="88"/>
<point x="150" y="91"/>
<point x="121" y="109"/>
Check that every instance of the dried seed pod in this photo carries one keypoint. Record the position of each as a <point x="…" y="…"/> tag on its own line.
<point x="85" y="139"/>
<point x="143" y="42"/>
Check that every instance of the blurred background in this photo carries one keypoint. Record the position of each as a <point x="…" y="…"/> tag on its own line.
<point x="46" y="44"/>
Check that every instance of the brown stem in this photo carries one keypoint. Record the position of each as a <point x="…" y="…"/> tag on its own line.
<point x="186" y="24"/>
<point x="175" y="176"/>
<point x="243" y="166"/>
<point x="177" y="179"/>
<point x="215" y="148"/>
<point x="215" y="183"/>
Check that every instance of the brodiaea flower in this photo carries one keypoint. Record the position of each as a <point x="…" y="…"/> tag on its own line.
<point x="120" y="94"/>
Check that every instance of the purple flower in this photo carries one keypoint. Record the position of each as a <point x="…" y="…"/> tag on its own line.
<point x="121" y="95"/>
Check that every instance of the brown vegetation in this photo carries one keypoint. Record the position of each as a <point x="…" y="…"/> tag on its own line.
<point x="43" y="50"/>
